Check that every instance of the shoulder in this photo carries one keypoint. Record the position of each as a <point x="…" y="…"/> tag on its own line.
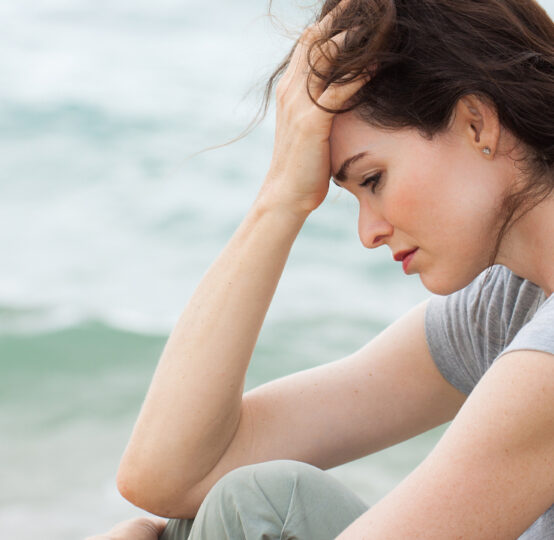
<point x="537" y="334"/>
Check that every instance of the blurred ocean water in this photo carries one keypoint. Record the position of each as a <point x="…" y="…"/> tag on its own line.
<point x="106" y="227"/>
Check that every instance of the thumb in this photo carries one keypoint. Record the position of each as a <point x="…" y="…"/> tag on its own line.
<point x="158" y="524"/>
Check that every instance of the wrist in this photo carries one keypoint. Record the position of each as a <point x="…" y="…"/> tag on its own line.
<point x="288" y="216"/>
<point x="271" y="201"/>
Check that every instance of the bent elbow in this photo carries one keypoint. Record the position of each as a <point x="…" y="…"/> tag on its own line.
<point x="128" y="487"/>
<point x="155" y="496"/>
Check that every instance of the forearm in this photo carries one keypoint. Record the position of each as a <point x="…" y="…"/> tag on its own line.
<point x="193" y="407"/>
<point x="192" y="413"/>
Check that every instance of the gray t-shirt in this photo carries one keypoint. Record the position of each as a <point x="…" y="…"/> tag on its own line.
<point x="468" y="330"/>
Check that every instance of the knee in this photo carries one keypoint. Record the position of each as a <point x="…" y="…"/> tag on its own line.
<point x="273" y="497"/>
<point x="265" y="474"/>
<point x="272" y="482"/>
<point x="282" y="468"/>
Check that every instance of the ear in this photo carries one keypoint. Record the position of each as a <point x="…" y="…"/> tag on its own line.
<point x="478" y="121"/>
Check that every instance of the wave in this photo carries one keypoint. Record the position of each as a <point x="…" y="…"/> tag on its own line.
<point x="35" y="320"/>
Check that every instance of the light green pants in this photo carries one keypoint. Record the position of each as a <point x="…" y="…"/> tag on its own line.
<point x="275" y="500"/>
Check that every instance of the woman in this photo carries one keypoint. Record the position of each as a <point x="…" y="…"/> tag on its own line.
<point x="437" y="115"/>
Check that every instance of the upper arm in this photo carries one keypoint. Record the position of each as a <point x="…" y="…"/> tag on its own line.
<point x="384" y="393"/>
<point x="492" y="474"/>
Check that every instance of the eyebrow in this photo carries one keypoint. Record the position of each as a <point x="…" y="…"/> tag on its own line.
<point x="342" y="173"/>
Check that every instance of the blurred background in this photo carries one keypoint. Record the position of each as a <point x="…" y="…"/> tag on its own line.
<point x="106" y="227"/>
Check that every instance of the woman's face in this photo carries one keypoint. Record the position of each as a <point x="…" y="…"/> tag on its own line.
<point x="440" y="197"/>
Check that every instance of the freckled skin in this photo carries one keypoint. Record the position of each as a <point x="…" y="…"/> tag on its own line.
<point x="438" y="195"/>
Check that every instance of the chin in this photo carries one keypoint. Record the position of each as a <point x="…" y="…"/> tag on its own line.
<point x="444" y="284"/>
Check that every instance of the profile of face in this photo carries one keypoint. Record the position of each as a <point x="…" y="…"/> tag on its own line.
<point x="439" y="196"/>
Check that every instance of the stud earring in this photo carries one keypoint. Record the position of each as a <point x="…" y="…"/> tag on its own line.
<point x="487" y="151"/>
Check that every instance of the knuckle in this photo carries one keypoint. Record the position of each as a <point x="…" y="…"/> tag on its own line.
<point x="311" y="33"/>
<point x="280" y="89"/>
<point x="281" y="92"/>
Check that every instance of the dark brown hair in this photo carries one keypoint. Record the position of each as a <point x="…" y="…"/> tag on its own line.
<point x="424" y="55"/>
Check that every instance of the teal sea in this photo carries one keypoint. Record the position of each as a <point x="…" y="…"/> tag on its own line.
<point x="107" y="224"/>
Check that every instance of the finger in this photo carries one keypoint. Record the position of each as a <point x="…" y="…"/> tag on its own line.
<point x="321" y="28"/>
<point x="341" y="5"/>
<point x="159" y="524"/>
<point x="337" y="95"/>
<point x="311" y="34"/>
<point x="321" y="55"/>
<point x="324" y="62"/>
<point x="316" y="67"/>
<point x="320" y="63"/>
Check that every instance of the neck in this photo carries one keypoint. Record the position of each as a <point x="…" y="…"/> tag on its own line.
<point x="528" y="247"/>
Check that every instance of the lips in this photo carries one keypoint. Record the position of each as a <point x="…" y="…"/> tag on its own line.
<point x="406" y="258"/>
<point x="401" y="255"/>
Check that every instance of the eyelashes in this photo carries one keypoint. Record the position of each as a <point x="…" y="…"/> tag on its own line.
<point x="372" y="181"/>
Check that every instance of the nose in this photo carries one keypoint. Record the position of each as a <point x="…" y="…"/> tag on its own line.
<point x="373" y="229"/>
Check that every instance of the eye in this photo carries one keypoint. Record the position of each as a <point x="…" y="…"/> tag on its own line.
<point x="372" y="181"/>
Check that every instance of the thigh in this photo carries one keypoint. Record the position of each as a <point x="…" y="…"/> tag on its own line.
<point x="273" y="500"/>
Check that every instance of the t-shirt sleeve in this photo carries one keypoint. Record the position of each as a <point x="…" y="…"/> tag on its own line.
<point x="538" y="333"/>
<point x="468" y="330"/>
<point x="449" y="334"/>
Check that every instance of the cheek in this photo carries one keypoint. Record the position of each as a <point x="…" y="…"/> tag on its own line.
<point x="417" y="191"/>
<point x="455" y="195"/>
<point x="415" y="201"/>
